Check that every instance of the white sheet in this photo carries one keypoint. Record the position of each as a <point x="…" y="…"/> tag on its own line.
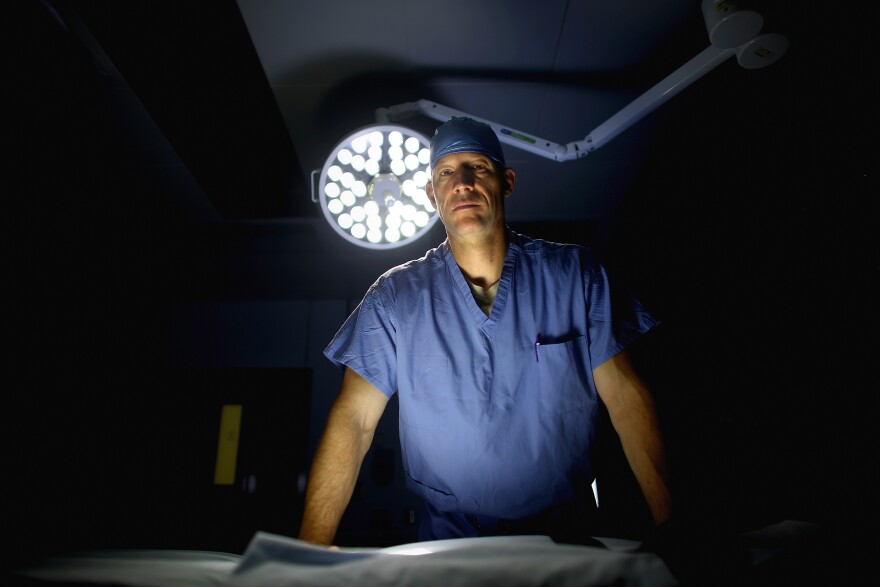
<point x="509" y="561"/>
<point x="278" y="561"/>
<point x="139" y="568"/>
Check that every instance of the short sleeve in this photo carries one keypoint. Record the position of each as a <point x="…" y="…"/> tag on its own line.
<point x="615" y="318"/>
<point x="366" y="342"/>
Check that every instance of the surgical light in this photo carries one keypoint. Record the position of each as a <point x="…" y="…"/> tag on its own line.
<point x="372" y="187"/>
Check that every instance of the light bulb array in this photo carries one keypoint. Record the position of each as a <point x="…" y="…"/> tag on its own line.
<point x="372" y="187"/>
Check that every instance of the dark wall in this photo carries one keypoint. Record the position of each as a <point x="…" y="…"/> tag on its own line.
<point x="108" y="446"/>
<point x="752" y="232"/>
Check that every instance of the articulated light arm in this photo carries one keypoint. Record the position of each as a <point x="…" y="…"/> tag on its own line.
<point x="732" y="34"/>
<point x="681" y="78"/>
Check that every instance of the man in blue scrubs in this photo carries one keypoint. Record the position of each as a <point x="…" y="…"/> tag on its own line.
<point x="500" y="348"/>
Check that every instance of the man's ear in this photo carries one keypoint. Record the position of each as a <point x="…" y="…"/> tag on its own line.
<point x="510" y="181"/>
<point x="429" y="189"/>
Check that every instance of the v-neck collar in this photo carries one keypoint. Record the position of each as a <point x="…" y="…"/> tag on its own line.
<point x="485" y="323"/>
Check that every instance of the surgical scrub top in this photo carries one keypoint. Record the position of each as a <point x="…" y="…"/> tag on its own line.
<point x="496" y="413"/>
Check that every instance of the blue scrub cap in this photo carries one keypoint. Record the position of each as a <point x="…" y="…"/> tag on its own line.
<point x="465" y="135"/>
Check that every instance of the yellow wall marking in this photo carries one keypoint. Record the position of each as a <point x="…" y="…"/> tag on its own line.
<point x="227" y="444"/>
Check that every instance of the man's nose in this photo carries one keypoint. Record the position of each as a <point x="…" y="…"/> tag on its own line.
<point x="464" y="178"/>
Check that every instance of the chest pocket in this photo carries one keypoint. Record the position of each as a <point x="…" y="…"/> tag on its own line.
<point x="564" y="377"/>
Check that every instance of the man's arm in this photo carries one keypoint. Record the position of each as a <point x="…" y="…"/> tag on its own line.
<point x="632" y="413"/>
<point x="346" y="439"/>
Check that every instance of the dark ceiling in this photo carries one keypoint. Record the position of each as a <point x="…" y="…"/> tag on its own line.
<point x="225" y="108"/>
<point x="253" y="94"/>
<point x="230" y="106"/>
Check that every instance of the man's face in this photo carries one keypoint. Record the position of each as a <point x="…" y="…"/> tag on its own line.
<point x="468" y="191"/>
